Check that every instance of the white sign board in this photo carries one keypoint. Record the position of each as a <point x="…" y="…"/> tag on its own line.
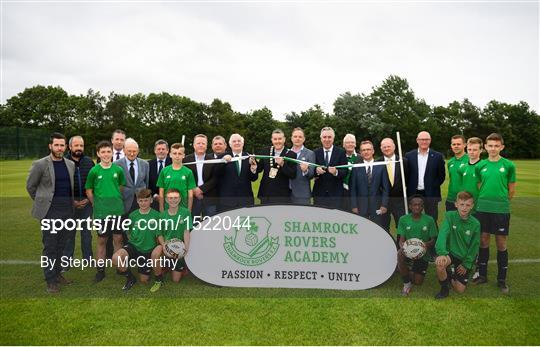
<point x="288" y="246"/>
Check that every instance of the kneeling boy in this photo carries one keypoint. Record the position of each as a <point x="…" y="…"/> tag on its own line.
<point x="142" y="244"/>
<point x="415" y="225"/>
<point x="457" y="245"/>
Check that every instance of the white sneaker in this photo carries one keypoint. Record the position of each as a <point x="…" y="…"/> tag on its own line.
<point x="407" y="287"/>
<point x="476" y="275"/>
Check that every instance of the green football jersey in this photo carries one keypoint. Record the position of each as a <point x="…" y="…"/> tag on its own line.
<point x="181" y="179"/>
<point x="469" y="182"/>
<point x="173" y="227"/>
<point x="459" y="237"/>
<point x="423" y="229"/>
<point x="143" y="235"/>
<point x="494" y="178"/>
<point x="105" y="184"/>
<point x="455" y="184"/>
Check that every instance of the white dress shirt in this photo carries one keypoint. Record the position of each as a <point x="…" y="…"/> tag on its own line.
<point x="422" y="164"/>
<point x="200" y="163"/>
<point x="121" y="153"/>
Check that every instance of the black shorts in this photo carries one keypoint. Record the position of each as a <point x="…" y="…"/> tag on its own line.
<point x="142" y="259"/>
<point x="494" y="223"/>
<point x="419" y="266"/>
<point x="450" y="206"/>
<point x="180" y="264"/>
<point x="463" y="279"/>
<point x="112" y="227"/>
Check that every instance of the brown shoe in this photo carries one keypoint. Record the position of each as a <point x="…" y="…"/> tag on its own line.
<point x="60" y="279"/>
<point x="52" y="288"/>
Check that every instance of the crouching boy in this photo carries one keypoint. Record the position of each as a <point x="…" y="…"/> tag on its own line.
<point x="420" y="226"/>
<point x="457" y="245"/>
<point x="143" y="245"/>
<point x="175" y="222"/>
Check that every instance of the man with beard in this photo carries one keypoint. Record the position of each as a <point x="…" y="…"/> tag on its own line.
<point x="50" y="185"/>
<point x="274" y="187"/>
<point x="82" y="207"/>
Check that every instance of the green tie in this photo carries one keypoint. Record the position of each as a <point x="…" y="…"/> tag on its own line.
<point x="237" y="165"/>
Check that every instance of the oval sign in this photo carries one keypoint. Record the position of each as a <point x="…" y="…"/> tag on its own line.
<point x="289" y="246"/>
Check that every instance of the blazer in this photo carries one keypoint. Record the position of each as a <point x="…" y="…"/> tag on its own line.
<point x="40" y="184"/>
<point x="278" y="186"/>
<point x="300" y="185"/>
<point x="328" y="185"/>
<point x="433" y="177"/>
<point x="369" y="197"/>
<point x="131" y="188"/>
<point x="209" y="187"/>
<point x="396" y="190"/>
<point x="153" y="173"/>
<point x="235" y="190"/>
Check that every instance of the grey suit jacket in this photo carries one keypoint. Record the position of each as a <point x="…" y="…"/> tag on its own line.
<point x="40" y="184"/>
<point x="131" y="187"/>
<point x="301" y="185"/>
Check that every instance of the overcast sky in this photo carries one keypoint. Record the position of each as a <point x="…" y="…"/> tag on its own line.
<point x="285" y="56"/>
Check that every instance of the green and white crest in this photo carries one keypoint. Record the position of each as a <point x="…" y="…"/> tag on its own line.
<point x="251" y="245"/>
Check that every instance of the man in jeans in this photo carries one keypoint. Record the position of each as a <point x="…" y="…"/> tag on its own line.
<point x="50" y="185"/>
<point x="83" y="208"/>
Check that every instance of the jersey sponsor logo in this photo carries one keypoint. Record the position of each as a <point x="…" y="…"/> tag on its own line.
<point x="468" y="232"/>
<point x="115" y="175"/>
<point x="100" y="177"/>
<point x="501" y="169"/>
<point x="183" y="178"/>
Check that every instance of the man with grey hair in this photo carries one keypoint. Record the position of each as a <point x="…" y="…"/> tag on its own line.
<point x="328" y="187"/>
<point x="349" y="144"/>
<point x="235" y="177"/>
<point x="136" y="171"/>
<point x="82" y="206"/>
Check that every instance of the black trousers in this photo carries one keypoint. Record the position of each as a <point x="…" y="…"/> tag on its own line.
<point x="54" y="243"/>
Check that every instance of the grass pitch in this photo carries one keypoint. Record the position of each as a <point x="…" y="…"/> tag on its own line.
<point x="193" y="312"/>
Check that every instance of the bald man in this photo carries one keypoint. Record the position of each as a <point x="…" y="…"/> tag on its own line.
<point x="426" y="173"/>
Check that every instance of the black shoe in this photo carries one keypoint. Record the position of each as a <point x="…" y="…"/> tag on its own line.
<point x="60" y="279"/>
<point x="130" y="281"/>
<point x="100" y="275"/>
<point x="480" y="280"/>
<point x="503" y="287"/>
<point x="442" y="294"/>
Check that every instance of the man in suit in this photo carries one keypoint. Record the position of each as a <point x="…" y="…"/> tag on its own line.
<point x="205" y="194"/>
<point x="274" y="187"/>
<point x="369" y="186"/>
<point x="219" y="146"/>
<point x="162" y="160"/>
<point x="349" y="144"/>
<point x="50" y="185"/>
<point x="235" y="177"/>
<point x="136" y="171"/>
<point x="118" y="140"/>
<point x="328" y="187"/>
<point x="396" y="204"/>
<point x="300" y="184"/>
<point x="426" y="174"/>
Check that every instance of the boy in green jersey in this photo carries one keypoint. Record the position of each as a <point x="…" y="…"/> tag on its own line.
<point x="104" y="185"/>
<point x="415" y="225"/>
<point x="178" y="177"/>
<point x="457" y="244"/>
<point x="458" y="161"/>
<point x="469" y="182"/>
<point x="175" y="223"/>
<point x="142" y="244"/>
<point x="497" y="184"/>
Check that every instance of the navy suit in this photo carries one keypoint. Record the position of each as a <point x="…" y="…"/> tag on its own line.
<point x="433" y="178"/>
<point x="153" y="177"/>
<point x="328" y="189"/>
<point x="368" y="198"/>
<point x="235" y="190"/>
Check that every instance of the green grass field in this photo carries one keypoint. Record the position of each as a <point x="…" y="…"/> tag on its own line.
<point x="193" y="312"/>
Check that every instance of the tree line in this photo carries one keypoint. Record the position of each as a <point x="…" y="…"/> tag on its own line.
<point x="391" y="106"/>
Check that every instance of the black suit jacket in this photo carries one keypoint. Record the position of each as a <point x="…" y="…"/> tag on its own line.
<point x="209" y="188"/>
<point x="278" y="186"/>
<point x="369" y="197"/>
<point x="433" y="177"/>
<point x="234" y="190"/>
<point x="153" y="174"/>
<point x="397" y="189"/>
<point x="328" y="185"/>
